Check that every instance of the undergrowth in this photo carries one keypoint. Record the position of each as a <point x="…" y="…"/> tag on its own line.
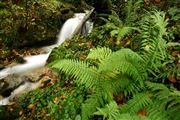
<point x="103" y="76"/>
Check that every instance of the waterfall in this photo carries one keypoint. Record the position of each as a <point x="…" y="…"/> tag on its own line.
<point x="39" y="61"/>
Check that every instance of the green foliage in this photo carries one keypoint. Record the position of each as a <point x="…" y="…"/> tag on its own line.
<point x="153" y="44"/>
<point x="26" y="22"/>
<point x="101" y="80"/>
<point x="128" y="72"/>
<point x="99" y="54"/>
<point x="116" y="27"/>
<point x="110" y="111"/>
<point x="53" y="102"/>
<point x="174" y="30"/>
<point x="107" y="72"/>
<point x="138" y="102"/>
<point x="133" y="11"/>
<point x="169" y="99"/>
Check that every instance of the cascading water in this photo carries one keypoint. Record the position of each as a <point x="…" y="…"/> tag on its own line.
<point x="38" y="61"/>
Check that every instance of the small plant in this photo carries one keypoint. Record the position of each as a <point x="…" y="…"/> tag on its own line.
<point x="54" y="102"/>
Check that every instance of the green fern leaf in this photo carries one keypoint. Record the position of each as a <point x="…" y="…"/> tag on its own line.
<point x="139" y="101"/>
<point x="126" y="62"/>
<point x="156" y="111"/>
<point x="99" y="53"/>
<point x="89" y="107"/>
<point x="127" y="116"/>
<point x="84" y="74"/>
<point x="110" y="111"/>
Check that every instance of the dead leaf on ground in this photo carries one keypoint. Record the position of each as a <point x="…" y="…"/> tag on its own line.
<point x="172" y="79"/>
<point x="142" y="112"/>
<point x="56" y="100"/>
<point x="31" y="106"/>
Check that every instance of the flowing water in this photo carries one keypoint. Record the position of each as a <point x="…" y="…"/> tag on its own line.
<point x="38" y="61"/>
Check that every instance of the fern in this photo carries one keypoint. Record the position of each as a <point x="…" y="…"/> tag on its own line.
<point x="116" y="27"/>
<point x="114" y="73"/>
<point x="156" y="111"/>
<point x="80" y="70"/>
<point x="159" y="102"/>
<point x="89" y="107"/>
<point x="99" y="53"/>
<point x="153" y="45"/>
<point x="131" y="9"/>
<point x="127" y="116"/>
<point x="139" y="101"/>
<point x="169" y="99"/>
<point x="110" y="111"/>
<point x="127" y="62"/>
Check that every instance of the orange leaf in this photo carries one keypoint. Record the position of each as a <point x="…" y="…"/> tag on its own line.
<point x="63" y="96"/>
<point x="142" y="112"/>
<point x="157" y="1"/>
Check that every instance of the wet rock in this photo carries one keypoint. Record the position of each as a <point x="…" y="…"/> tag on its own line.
<point x="11" y="82"/>
<point x="1" y="67"/>
<point x="8" y="84"/>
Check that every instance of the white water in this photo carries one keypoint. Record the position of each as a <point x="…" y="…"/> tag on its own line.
<point x="32" y="62"/>
<point x="38" y="61"/>
<point x="26" y="87"/>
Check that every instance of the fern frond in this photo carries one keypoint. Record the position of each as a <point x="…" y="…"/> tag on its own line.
<point x="160" y="22"/>
<point x="173" y="106"/>
<point x="98" y="98"/>
<point x="131" y="10"/>
<point x="126" y="62"/>
<point x="99" y="53"/>
<point x="132" y="88"/>
<point x="122" y="31"/>
<point x="127" y="116"/>
<point x="110" y="111"/>
<point x="139" y="101"/>
<point x="159" y="90"/>
<point x="89" y="107"/>
<point x="153" y="46"/>
<point x="156" y="111"/>
<point x="167" y="98"/>
<point x="115" y="19"/>
<point x="84" y="74"/>
<point x="120" y="84"/>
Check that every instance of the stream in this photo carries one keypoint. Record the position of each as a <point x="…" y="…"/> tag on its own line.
<point x="22" y="78"/>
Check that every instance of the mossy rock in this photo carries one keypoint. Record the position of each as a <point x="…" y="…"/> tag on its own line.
<point x="34" y="21"/>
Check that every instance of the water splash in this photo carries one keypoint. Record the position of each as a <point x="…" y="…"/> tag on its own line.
<point x="32" y="62"/>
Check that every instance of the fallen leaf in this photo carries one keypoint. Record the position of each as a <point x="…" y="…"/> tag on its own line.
<point x="157" y="1"/>
<point x="20" y="112"/>
<point x="63" y="96"/>
<point x="172" y="79"/>
<point x="31" y="106"/>
<point x="15" y="52"/>
<point x="56" y="100"/>
<point x="128" y="42"/>
<point x="142" y="112"/>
